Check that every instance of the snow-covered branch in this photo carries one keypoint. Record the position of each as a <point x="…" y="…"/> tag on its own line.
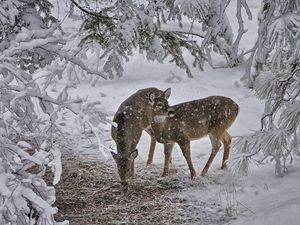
<point x="32" y="44"/>
<point x="273" y="72"/>
<point x="157" y="29"/>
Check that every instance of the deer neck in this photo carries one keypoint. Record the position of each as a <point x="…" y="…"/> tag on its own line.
<point x="158" y="125"/>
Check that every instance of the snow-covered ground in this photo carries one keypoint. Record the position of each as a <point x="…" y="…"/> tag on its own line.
<point x="261" y="198"/>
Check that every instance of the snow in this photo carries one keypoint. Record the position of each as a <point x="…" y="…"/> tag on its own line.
<point x="24" y="144"/>
<point x="271" y="200"/>
<point x="4" y="178"/>
<point x="262" y="198"/>
<point x="56" y="166"/>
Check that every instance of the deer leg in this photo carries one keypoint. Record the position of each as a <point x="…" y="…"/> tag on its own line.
<point x="151" y="150"/>
<point x="186" y="151"/>
<point x="226" y="139"/>
<point x="168" y="152"/>
<point x="216" y="144"/>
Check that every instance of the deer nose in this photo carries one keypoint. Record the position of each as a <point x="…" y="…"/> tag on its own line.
<point x="171" y="112"/>
<point x="124" y="183"/>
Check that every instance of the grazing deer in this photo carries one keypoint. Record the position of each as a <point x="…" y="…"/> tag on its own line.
<point x="193" y="120"/>
<point x="134" y="115"/>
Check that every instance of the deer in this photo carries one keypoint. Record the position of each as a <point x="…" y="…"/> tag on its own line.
<point x="133" y="116"/>
<point x="193" y="120"/>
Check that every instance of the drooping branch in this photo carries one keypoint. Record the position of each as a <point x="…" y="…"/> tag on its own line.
<point x="91" y="13"/>
<point x="275" y="80"/>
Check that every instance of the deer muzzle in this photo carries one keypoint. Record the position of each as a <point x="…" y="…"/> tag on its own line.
<point x="171" y="112"/>
<point x="124" y="183"/>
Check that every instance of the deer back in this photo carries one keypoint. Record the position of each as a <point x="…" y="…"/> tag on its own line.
<point x="196" y="119"/>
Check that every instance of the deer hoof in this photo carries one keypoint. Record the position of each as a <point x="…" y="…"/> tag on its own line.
<point x="165" y="174"/>
<point x="203" y="174"/>
<point x="223" y="167"/>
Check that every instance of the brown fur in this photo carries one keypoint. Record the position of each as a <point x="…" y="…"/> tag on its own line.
<point x="193" y="120"/>
<point x="132" y="117"/>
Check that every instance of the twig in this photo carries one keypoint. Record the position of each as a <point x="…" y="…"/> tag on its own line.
<point x="245" y="207"/>
<point x="99" y="14"/>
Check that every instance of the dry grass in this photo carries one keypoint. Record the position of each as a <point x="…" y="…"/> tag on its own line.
<point x="89" y="193"/>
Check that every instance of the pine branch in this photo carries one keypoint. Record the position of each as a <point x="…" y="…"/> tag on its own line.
<point x="94" y="14"/>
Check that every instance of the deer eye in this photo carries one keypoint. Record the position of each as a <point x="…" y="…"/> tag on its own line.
<point x="121" y="167"/>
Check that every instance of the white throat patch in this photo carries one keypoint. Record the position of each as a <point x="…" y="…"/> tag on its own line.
<point x="160" y="119"/>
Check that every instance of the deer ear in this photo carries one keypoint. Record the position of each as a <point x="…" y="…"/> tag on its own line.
<point x="115" y="156"/>
<point x="167" y="93"/>
<point x="151" y="98"/>
<point x="133" y="154"/>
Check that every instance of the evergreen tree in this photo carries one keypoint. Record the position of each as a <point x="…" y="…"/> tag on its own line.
<point x="275" y="80"/>
<point x="162" y="30"/>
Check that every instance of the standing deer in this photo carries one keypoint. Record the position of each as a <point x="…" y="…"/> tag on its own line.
<point x="192" y="120"/>
<point x="134" y="115"/>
